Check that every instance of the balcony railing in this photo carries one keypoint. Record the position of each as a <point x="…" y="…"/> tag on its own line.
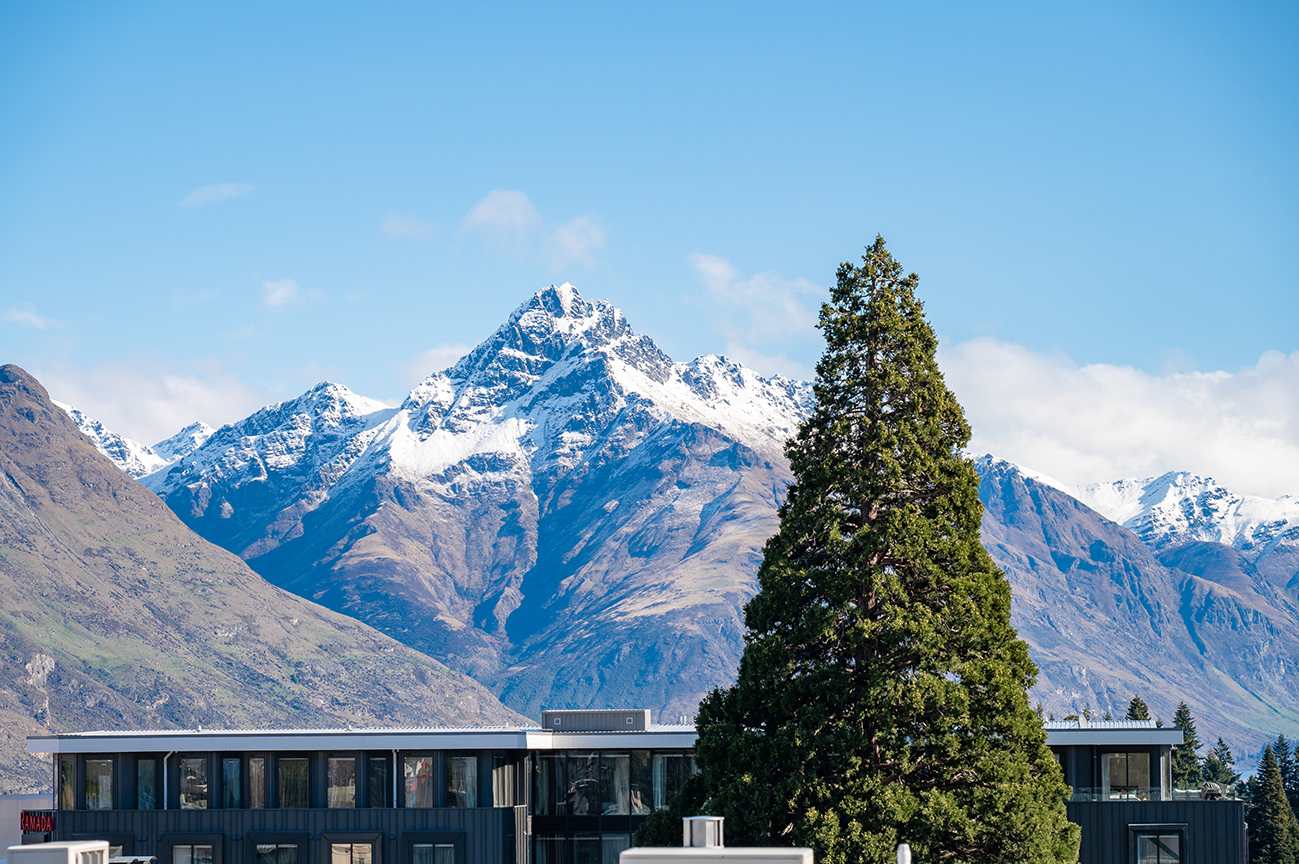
<point x="1207" y="792"/>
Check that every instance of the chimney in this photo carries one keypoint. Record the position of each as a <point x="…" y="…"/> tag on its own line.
<point x="702" y="832"/>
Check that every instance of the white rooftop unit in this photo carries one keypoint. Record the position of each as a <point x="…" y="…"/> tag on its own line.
<point x="66" y="852"/>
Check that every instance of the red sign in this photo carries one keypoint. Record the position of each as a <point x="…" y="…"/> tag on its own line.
<point x="36" y="821"/>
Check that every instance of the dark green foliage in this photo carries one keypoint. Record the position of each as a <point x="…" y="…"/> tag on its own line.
<point x="1187" y="770"/>
<point x="1220" y="767"/>
<point x="1286" y="764"/>
<point x="1271" y="821"/>
<point x="883" y="694"/>
<point x="663" y="827"/>
<point x="1137" y="709"/>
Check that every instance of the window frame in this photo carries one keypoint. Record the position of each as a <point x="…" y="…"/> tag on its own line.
<point x="356" y="759"/>
<point x="1155" y="829"/>
<point x="430" y="755"/>
<point x="113" y="785"/>
<point x="167" y="841"/>
<point x="374" y="838"/>
<point x="447" y="756"/>
<point x="278" y="838"/>
<point x="206" y="759"/>
<point x="267" y="762"/>
<point x="409" y="839"/>
<point x="278" y="784"/>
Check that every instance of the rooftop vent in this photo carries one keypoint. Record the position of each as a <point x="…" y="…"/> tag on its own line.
<point x="702" y="832"/>
<point x="597" y="720"/>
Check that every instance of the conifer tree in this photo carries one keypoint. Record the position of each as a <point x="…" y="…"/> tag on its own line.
<point x="1187" y="770"/>
<point x="1286" y="764"/>
<point x="883" y="695"/>
<point x="1220" y="767"/>
<point x="1270" y="818"/>
<point x="1137" y="709"/>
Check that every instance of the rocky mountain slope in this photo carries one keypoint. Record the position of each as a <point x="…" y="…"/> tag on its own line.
<point x="117" y="615"/>
<point x="1106" y="617"/>
<point x="566" y="513"/>
<point x="575" y="519"/>
<point x="131" y="456"/>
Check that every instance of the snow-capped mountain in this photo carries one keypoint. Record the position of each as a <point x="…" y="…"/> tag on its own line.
<point x="134" y="458"/>
<point x="565" y="470"/>
<point x="184" y="442"/>
<point x="1180" y="507"/>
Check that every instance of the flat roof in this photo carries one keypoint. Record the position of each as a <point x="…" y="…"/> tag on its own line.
<point x="1059" y="733"/>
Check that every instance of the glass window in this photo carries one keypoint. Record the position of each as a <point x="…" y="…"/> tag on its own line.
<point x="276" y="853"/>
<point x="67" y="782"/>
<point x="462" y="781"/>
<point x="433" y="853"/>
<point x="1126" y="775"/>
<point x="615" y="785"/>
<point x="549" y="796"/>
<point x="257" y="782"/>
<point x="1159" y="848"/>
<point x="99" y="784"/>
<point x="642" y="795"/>
<point x="670" y="773"/>
<point x="295" y="782"/>
<point x="351" y="853"/>
<point x="419" y="781"/>
<point x="611" y="847"/>
<point x="231" y="797"/>
<point x="583" y="784"/>
<point x="586" y="850"/>
<point x="378" y="782"/>
<point x="550" y="850"/>
<point x="193" y="783"/>
<point x="342" y="781"/>
<point x="146" y="784"/>
<point x="186" y="853"/>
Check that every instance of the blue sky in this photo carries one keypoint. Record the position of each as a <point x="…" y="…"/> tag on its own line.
<point x="205" y="209"/>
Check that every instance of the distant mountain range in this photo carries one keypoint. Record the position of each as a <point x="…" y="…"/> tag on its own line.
<point x="117" y="615"/>
<point x="573" y="518"/>
<point x="131" y="456"/>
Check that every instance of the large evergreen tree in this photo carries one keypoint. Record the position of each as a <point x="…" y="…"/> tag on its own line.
<point x="883" y="694"/>
<point x="1220" y="767"/>
<point x="1137" y="709"/>
<point x="1187" y="770"/>
<point x="1270" y="818"/>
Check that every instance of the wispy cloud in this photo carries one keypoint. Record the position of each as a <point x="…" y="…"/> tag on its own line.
<point x="140" y="402"/>
<point x="576" y="242"/>
<point x="216" y="193"/>
<point x="405" y="226"/>
<point x="768" y="320"/>
<point x="278" y="292"/>
<point x="503" y="211"/>
<point x="435" y="359"/>
<point x="1084" y="423"/>
<point x="26" y="316"/>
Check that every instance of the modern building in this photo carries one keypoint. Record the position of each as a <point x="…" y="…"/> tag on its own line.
<point x="572" y="791"/>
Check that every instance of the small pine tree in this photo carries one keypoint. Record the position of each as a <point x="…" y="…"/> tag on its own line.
<point x="1137" y="709"/>
<point x="1270" y="818"/>
<point x="1187" y="769"/>
<point x="882" y="696"/>
<point x="1289" y="768"/>
<point x="1220" y="767"/>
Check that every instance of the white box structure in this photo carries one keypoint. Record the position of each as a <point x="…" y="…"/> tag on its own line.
<point x="714" y="854"/>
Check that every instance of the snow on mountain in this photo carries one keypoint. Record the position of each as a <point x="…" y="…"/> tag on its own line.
<point x="131" y="456"/>
<point x="1179" y="507"/>
<point x="184" y="442"/>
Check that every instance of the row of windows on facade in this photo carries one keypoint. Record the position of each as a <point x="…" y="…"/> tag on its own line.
<point x="576" y="784"/>
<point x="339" y="853"/>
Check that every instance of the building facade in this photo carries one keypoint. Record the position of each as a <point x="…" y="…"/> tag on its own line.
<point x="572" y="791"/>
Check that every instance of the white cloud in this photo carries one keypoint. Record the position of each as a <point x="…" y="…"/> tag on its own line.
<point x="277" y="292"/>
<point x="576" y="242"/>
<point x="27" y="316"/>
<point x="405" y="226"/>
<point x="504" y="211"/>
<point x="768" y="320"/>
<point x="435" y="359"/>
<point x="1096" y="422"/>
<point x="216" y="193"/>
<point x="141" y="403"/>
